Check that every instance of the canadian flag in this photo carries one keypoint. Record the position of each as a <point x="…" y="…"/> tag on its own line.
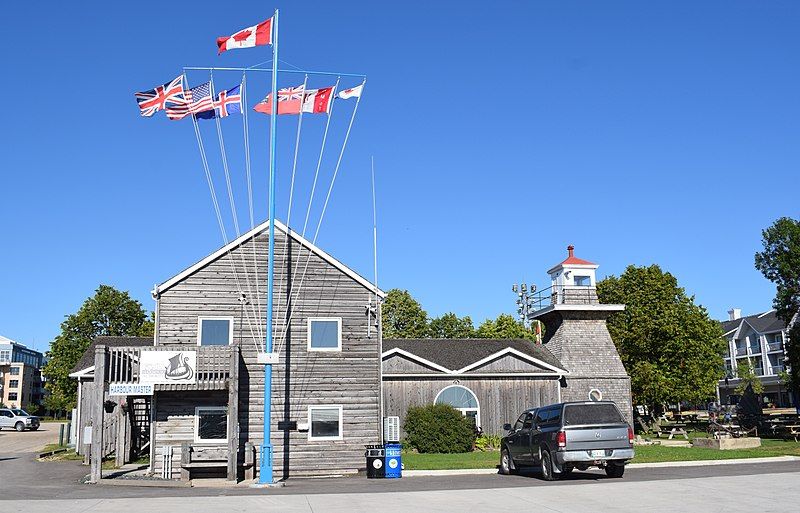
<point x="256" y="35"/>
<point x="353" y="92"/>
<point x="318" y="101"/>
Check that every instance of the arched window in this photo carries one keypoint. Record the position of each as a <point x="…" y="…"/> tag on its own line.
<point x="462" y="399"/>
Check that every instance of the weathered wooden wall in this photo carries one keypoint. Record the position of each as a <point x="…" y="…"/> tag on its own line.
<point x="349" y="378"/>
<point x="500" y="399"/>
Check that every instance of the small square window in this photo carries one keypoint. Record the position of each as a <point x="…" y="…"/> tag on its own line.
<point x="211" y="424"/>
<point x="12" y="396"/>
<point x="583" y="281"/>
<point x="325" y="334"/>
<point x="325" y="422"/>
<point x="13" y="383"/>
<point x="14" y="371"/>
<point x="215" y="331"/>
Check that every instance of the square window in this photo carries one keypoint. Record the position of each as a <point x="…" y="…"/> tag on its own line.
<point x="12" y="396"/>
<point x="325" y="334"/>
<point x="211" y="424"/>
<point x="325" y="422"/>
<point x="215" y="331"/>
<point x="13" y="383"/>
<point x="583" y="281"/>
<point x="14" y="371"/>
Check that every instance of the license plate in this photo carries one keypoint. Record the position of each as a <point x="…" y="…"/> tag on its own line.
<point x="598" y="454"/>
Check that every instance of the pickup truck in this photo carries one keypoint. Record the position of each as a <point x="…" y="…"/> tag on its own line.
<point x="562" y="437"/>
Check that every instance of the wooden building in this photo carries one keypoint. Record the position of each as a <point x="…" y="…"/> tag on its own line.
<point x="490" y="381"/>
<point x="208" y="397"/>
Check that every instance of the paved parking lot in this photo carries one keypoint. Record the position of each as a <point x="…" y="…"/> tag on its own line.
<point x="12" y="442"/>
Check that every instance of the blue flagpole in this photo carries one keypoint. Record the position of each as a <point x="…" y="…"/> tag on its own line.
<point x="265" y="472"/>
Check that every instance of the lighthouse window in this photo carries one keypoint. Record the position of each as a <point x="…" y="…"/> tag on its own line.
<point x="211" y="424"/>
<point x="215" y="331"/>
<point x="583" y="281"/>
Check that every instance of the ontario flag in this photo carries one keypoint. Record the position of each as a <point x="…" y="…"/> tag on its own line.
<point x="290" y="101"/>
<point x="156" y="99"/>
<point x="257" y="35"/>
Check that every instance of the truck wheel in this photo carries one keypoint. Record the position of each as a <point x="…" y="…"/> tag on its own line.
<point x="547" y="467"/>
<point x="506" y="463"/>
<point x="614" y="470"/>
<point x="19" y="426"/>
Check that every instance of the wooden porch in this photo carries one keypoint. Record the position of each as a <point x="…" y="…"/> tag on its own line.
<point x="214" y="368"/>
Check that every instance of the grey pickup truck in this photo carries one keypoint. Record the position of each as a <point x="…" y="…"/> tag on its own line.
<point x="562" y="437"/>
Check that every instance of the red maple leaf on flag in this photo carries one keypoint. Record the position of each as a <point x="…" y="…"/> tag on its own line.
<point x="241" y="36"/>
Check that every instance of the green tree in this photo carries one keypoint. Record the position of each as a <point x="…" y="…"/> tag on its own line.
<point x="780" y="264"/>
<point x="504" y="327"/>
<point x="109" y="312"/>
<point x="670" y="347"/>
<point x="747" y="375"/>
<point x="402" y="316"/>
<point x="450" y="325"/>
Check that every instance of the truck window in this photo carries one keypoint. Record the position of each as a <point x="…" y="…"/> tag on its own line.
<point x="542" y="416"/>
<point x="519" y="422"/>
<point x="528" y="421"/>
<point x="592" y="413"/>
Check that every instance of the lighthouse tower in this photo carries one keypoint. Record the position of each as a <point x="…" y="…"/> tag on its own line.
<point x="576" y="334"/>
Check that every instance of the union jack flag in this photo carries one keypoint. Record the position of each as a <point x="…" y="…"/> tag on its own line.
<point x="156" y="99"/>
<point x="195" y="100"/>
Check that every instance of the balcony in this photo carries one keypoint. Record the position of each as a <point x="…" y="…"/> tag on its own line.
<point x="565" y="295"/>
<point x="741" y="350"/>
<point x="775" y="346"/>
<point x="777" y="369"/>
<point x="213" y="365"/>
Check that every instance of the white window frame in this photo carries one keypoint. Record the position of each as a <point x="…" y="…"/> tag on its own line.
<point x="200" y="320"/>
<point x="197" y="438"/>
<point x="464" y="411"/>
<point x="338" y="334"/>
<point x="311" y="427"/>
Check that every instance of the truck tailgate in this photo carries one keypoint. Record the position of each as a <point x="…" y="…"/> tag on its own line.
<point x="584" y="438"/>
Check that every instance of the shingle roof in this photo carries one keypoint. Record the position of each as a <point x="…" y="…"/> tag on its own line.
<point x="87" y="360"/>
<point x="763" y="322"/>
<point x="458" y="353"/>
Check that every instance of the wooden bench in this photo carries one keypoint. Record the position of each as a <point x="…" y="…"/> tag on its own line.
<point x="202" y="457"/>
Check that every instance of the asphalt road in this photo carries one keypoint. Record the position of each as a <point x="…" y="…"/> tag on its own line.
<point x="28" y="485"/>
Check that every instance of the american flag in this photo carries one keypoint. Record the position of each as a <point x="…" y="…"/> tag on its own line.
<point x="196" y="99"/>
<point x="156" y="99"/>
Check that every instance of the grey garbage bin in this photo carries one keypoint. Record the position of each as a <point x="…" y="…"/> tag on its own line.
<point x="376" y="468"/>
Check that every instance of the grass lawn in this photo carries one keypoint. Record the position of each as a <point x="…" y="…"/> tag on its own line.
<point x="644" y="454"/>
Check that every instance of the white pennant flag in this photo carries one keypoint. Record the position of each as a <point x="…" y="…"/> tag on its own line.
<point x="353" y="92"/>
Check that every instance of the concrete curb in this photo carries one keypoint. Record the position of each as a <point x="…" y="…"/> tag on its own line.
<point x="664" y="464"/>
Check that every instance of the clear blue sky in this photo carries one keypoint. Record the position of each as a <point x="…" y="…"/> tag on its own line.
<point x="640" y="132"/>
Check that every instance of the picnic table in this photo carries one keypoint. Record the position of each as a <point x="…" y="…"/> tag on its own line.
<point x="677" y="428"/>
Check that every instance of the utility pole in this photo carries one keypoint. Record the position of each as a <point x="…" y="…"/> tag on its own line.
<point x="525" y="301"/>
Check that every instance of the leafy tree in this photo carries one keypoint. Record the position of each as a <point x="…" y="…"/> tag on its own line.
<point x="505" y="327"/>
<point x="109" y="312"/>
<point x="402" y="316"/>
<point x="450" y="325"/>
<point x="747" y="376"/>
<point x="780" y="264"/>
<point x="668" y="344"/>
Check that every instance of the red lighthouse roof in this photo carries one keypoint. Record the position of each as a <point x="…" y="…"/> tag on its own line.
<point x="573" y="260"/>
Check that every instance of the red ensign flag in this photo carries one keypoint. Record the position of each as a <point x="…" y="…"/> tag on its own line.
<point x="257" y="35"/>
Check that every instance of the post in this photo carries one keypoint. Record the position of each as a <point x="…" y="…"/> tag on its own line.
<point x="265" y="470"/>
<point x="96" y="459"/>
<point x="61" y="435"/>
<point x="120" y="456"/>
<point x="233" y="415"/>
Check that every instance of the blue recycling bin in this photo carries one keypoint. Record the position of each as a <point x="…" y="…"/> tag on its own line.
<point x="394" y="464"/>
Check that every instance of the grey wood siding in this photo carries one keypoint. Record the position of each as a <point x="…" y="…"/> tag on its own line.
<point x="349" y="378"/>
<point x="500" y="400"/>
<point x="397" y="364"/>
<point x="509" y="363"/>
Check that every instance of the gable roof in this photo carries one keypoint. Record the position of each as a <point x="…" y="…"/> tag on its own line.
<point x="454" y="356"/>
<point x="86" y="363"/>
<point x="764" y="322"/>
<point x="252" y="234"/>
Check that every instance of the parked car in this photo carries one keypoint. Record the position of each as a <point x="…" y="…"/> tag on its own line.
<point x="18" y="419"/>
<point x="562" y="437"/>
